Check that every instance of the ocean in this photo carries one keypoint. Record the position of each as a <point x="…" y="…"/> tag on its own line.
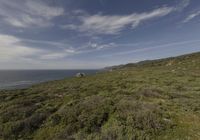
<point x="17" y="79"/>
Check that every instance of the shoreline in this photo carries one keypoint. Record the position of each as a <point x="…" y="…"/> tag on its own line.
<point x="30" y="80"/>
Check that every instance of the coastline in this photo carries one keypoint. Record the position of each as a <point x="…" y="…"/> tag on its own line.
<point x="26" y="78"/>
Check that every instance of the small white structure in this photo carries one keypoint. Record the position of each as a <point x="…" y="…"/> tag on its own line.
<point x="80" y="74"/>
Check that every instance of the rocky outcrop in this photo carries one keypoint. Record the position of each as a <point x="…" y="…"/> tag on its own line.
<point x="80" y="74"/>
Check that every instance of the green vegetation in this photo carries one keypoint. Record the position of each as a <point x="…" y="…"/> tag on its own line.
<point x="149" y="100"/>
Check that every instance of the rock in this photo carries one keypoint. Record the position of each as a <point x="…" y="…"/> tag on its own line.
<point x="80" y="74"/>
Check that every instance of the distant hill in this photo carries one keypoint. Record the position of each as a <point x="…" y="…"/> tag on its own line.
<point x="149" y="100"/>
<point x="157" y="62"/>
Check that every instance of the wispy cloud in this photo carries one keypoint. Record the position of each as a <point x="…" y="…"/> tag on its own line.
<point x="51" y="56"/>
<point x="182" y="5"/>
<point x="28" y="13"/>
<point x="191" y="16"/>
<point x="10" y="48"/>
<point x="96" y="46"/>
<point x="113" y="24"/>
<point x="156" y="47"/>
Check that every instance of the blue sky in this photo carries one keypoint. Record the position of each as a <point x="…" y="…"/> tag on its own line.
<point x="85" y="34"/>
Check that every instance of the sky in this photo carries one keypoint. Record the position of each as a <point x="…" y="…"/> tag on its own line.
<point x="91" y="34"/>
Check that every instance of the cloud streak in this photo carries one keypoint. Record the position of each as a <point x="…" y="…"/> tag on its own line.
<point x="182" y="5"/>
<point x="28" y="13"/>
<point x="113" y="24"/>
<point x="12" y="47"/>
<point x="191" y="17"/>
<point x="152" y="48"/>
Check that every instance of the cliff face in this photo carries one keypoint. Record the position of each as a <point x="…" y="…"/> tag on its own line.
<point x="149" y="100"/>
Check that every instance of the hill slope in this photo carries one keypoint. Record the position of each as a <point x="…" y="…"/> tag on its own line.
<point x="151" y="100"/>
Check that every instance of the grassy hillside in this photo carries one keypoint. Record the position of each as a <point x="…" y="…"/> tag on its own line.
<point x="150" y="100"/>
